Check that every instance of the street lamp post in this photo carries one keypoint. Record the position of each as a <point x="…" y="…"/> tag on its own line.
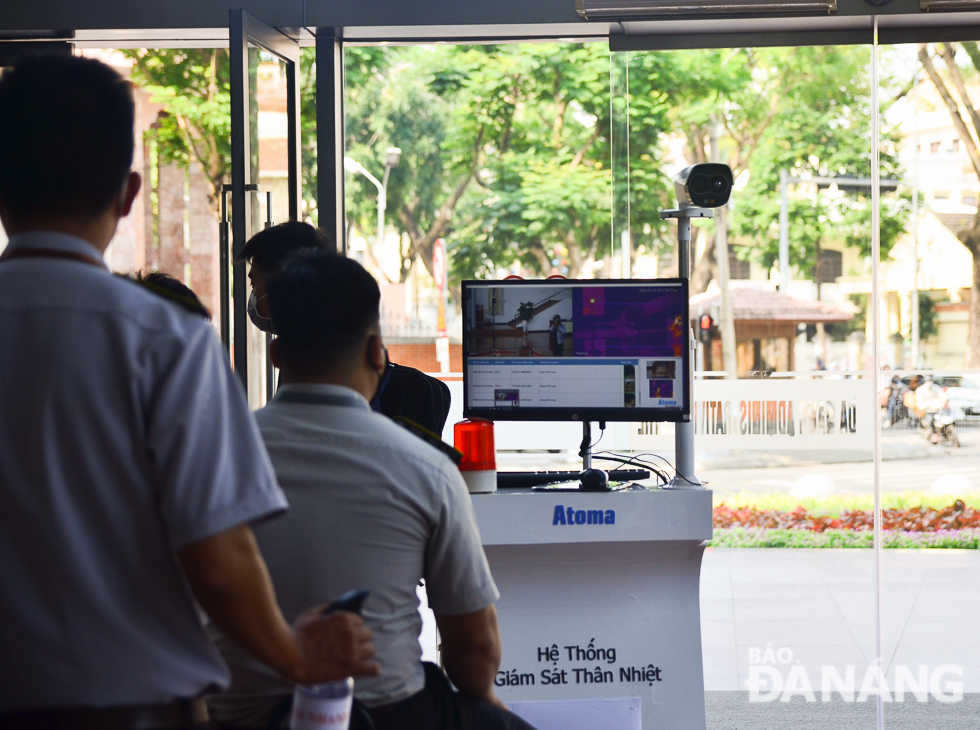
<point x="392" y="156"/>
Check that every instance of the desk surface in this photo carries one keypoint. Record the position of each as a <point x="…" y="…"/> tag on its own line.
<point x="523" y="517"/>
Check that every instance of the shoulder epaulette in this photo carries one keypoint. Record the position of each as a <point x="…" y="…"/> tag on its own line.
<point x="429" y="438"/>
<point x="192" y="305"/>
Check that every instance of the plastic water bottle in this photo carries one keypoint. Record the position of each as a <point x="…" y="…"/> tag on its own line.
<point x="323" y="706"/>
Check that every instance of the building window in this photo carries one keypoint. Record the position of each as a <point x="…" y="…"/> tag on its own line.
<point x="933" y="147"/>
<point x="831" y="266"/>
<point x="737" y="268"/>
<point x="969" y="198"/>
<point x="940" y="195"/>
<point x="956" y="146"/>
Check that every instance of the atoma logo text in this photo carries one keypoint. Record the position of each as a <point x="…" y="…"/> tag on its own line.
<point x="571" y="516"/>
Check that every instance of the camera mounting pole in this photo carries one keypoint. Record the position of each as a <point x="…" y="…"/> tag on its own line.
<point x="684" y="430"/>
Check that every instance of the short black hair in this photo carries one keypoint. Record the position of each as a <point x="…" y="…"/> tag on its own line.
<point x="323" y="306"/>
<point x="269" y="248"/>
<point x="173" y="288"/>
<point x="66" y="136"/>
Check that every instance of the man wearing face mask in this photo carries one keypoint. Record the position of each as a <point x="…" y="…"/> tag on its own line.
<point x="405" y="393"/>
<point x="372" y="507"/>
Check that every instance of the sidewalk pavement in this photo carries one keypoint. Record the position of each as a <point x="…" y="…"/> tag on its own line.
<point x="796" y="612"/>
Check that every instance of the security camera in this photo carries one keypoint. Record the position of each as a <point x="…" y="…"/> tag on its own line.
<point x="708" y="185"/>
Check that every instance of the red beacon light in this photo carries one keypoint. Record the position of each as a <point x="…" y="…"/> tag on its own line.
<point x="473" y="437"/>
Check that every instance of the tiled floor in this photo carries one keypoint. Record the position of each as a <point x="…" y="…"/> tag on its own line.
<point x="816" y="609"/>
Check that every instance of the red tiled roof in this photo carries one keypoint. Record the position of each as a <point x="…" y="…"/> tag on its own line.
<point x="762" y="304"/>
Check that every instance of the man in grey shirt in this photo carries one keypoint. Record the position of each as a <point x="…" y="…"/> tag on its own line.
<point x="374" y="507"/>
<point x="130" y="467"/>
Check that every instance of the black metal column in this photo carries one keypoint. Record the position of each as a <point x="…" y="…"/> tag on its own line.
<point x="330" y="135"/>
<point x="240" y="178"/>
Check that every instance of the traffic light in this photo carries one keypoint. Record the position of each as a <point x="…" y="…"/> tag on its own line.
<point x="704" y="328"/>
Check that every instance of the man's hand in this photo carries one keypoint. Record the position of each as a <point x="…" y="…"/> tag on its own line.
<point x="335" y="646"/>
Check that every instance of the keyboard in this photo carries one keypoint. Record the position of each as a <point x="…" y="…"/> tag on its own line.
<point x="525" y="479"/>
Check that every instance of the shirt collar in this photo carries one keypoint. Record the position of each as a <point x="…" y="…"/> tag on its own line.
<point x="358" y="400"/>
<point x="53" y="241"/>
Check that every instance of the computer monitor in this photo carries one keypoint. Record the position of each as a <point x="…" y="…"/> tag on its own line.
<point x="576" y="350"/>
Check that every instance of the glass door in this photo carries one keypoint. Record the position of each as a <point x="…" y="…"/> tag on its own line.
<point x="265" y="174"/>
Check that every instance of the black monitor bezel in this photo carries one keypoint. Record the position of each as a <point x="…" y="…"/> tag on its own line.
<point x="680" y="414"/>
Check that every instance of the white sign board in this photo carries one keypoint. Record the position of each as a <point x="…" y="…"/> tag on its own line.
<point x="599" y="713"/>
<point x="772" y="414"/>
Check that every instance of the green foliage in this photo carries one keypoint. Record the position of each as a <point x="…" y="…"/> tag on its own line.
<point x="839" y="331"/>
<point x="805" y="110"/>
<point x="506" y="148"/>
<point x="505" y="151"/>
<point x="307" y="101"/>
<point x="193" y="87"/>
<point x="928" y="319"/>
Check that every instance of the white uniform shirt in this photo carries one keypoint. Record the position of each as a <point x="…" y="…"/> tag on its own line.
<point x="372" y="506"/>
<point x="124" y="436"/>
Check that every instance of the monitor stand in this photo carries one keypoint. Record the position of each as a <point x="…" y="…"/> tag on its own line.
<point x="585" y="450"/>
<point x="591" y="480"/>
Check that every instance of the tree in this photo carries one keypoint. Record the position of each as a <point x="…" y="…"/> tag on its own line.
<point x="968" y="131"/>
<point x="805" y="110"/>
<point x="395" y="100"/>
<point x="505" y="152"/>
<point x="547" y="204"/>
<point x="194" y="88"/>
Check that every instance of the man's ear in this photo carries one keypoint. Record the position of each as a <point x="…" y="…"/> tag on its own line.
<point x="274" y="353"/>
<point x="129" y="192"/>
<point x="376" y="353"/>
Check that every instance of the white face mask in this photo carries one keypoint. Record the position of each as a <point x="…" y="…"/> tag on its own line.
<point x="263" y="323"/>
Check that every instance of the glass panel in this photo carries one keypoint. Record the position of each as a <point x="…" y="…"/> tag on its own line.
<point x="269" y="147"/>
<point x="182" y="152"/>
<point x="621" y="248"/>
<point x="928" y="381"/>
<point x="501" y="152"/>
<point x="785" y="442"/>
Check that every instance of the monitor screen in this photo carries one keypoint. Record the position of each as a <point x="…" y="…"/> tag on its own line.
<point x="598" y="350"/>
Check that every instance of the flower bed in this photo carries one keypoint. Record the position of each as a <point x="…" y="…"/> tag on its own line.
<point x="769" y="521"/>
<point x="956" y="516"/>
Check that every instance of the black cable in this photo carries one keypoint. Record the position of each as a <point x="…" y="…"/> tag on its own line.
<point x="585" y="447"/>
<point x="677" y="473"/>
<point x="638" y="458"/>
<point x="661" y="476"/>
<point x="602" y="432"/>
<point x="634" y="461"/>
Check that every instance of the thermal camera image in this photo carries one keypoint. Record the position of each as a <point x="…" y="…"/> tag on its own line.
<point x="626" y="322"/>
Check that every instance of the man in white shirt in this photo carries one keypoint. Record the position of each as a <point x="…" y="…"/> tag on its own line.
<point x="130" y="467"/>
<point x="373" y="507"/>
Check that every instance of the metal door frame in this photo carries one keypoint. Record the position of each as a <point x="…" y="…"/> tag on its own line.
<point x="245" y="31"/>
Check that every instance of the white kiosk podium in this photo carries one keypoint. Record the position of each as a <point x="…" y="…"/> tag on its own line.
<point x="599" y="609"/>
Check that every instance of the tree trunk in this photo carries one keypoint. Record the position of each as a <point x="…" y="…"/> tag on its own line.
<point x="707" y="267"/>
<point x="536" y="249"/>
<point x="726" y="315"/>
<point x="971" y="239"/>
<point x="818" y="268"/>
